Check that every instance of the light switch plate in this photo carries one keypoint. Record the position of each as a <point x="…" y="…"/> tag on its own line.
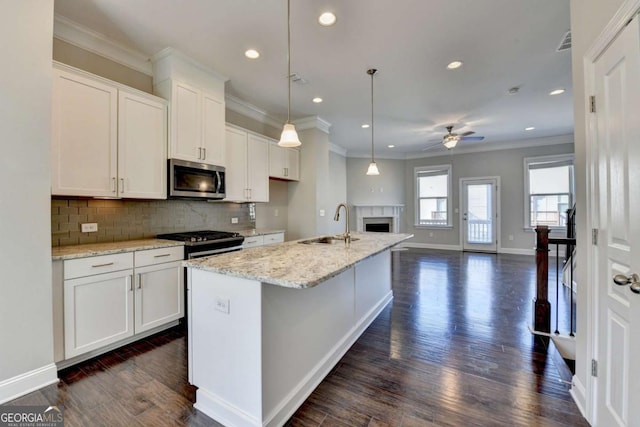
<point x="222" y="305"/>
<point x="89" y="227"/>
<point x="234" y="220"/>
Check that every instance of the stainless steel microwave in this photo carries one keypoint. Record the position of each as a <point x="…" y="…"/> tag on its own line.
<point x="199" y="181"/>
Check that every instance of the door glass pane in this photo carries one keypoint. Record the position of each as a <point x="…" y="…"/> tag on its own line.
<point x="479" y="214"/>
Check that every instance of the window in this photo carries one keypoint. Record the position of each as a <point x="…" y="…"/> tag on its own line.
<point x="549" y="190"/>
<point x="433" y="196"/>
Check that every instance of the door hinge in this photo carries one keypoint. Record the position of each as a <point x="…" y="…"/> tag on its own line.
<point x="594" y="236"/>
<point x="592" y="104"/>
<point x="594" y="368"/>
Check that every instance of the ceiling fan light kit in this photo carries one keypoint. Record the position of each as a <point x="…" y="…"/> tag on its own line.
<point x="289" y="136"/>
<point x="373" y="167"/>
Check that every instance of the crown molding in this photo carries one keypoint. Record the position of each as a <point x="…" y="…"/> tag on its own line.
<point x="337" y="149"/>
<point x="249" y="110"/>
<point x="179" y="58"/>
<point x="523" y="143"/>
<point x="313" y="122"/>
<point x="85" y="38"/>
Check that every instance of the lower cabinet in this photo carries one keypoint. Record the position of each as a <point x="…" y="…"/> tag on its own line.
<point x="262" y="240"/>
<point x="110" y="298"/>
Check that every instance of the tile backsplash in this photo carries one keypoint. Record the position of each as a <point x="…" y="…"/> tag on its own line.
<point x="136" y="219"/>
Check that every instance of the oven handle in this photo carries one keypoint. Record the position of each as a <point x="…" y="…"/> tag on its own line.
<point x="213" y="252"/>
<point x="219" y="181"/>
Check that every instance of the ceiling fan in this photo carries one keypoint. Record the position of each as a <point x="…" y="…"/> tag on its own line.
<point x="451" y="139"/>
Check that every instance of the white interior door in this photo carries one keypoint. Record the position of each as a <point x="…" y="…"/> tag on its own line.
<point x="479" y="214"/>
<point x="618" y="248"/>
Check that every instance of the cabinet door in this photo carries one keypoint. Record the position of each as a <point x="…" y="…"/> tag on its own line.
<point x="270" y="239"/>
<point x="213" y="145"/>
<point x="276" y="161"/>
<point x="84" y="140"/>
<point x="159" y="295"/>
<point x="293" y="164"/>
<point x="236" y="169"/>
<point x="98" y="310"/>
<point x="142" y="142"/>
<point x="186" y="127"/>
<point x="258" y="168"/>
<point x="252" y="242"/>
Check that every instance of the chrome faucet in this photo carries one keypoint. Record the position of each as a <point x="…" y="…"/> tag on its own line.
<point x="336" y="217"/>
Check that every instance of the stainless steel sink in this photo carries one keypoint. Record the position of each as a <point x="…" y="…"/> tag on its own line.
<point x="326" y="240"/>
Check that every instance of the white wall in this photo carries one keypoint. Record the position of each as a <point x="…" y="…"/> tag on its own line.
<point x="588" y="19"/>
<point x="26" y="327"/>
<point x="274" y="215"/>
<point x="337" y="192"/>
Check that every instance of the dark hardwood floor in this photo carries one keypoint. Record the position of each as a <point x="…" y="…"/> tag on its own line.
<point x="453" y="349"/>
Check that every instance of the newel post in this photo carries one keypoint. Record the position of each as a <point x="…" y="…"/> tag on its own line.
<point x="542" y="308"/>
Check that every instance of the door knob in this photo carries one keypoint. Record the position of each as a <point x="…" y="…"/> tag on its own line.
<point x="633" y="280"/>
<point x="464" y="216"/>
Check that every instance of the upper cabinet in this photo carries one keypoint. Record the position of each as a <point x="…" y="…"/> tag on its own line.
<point x="108" y="140"/>
<point x="247" y="174"/>
<point x="197" y="123"/>
<point x="284" y="163"/>
<point x="197" y="118"/>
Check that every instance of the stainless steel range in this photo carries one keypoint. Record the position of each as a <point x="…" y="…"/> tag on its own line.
<point x="204" y="243"/>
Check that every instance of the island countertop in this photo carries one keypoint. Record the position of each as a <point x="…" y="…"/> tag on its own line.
<point x="297" y="265"/>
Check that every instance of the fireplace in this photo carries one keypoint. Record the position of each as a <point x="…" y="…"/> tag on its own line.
<point x="378" y="218"/>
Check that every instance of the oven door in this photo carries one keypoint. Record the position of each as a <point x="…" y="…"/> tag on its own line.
<point x="202" y="253"/>
<point x="192" y="180"/>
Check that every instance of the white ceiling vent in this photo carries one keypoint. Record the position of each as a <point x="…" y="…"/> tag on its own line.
<point x="565" y="44"/>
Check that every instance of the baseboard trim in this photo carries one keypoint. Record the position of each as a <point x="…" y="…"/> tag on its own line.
<point x="29" y="381"/>
<point x="432" y="246"/>
<point x="579" y="394"/>
<point x="225" y="413"/>
<point x="517" y="251"/>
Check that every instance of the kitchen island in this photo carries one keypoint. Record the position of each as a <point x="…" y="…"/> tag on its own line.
<point x="267" y="324"/>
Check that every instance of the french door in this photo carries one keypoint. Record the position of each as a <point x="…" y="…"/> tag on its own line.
<point x="479" y="214"/>
<point x="617" y="250"/>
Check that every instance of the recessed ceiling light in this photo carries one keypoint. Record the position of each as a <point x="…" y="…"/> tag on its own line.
<point x="317" y="100"/>
<point x="455" y="64"/>
<point x="327" y="19"/>
<point x="556" y="92"/>
<point x="252" y="54"/>
<point x="391" y="146"/>
<point x="529" y="128"/>
<point x="364" y="126"/>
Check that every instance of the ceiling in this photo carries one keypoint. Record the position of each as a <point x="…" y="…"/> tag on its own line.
<point x="502" y="43"/>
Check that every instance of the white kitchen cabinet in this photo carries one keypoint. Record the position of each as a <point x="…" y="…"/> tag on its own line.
<point x="262" y="240"/>
<point x="197" y="123"/>
<point x="159" y="288"/>
<point x="85" y="136"/>
<point x="113" y="298"/>
<point x="284" y="163"/>
<point x="247" y="173"/>
<point x="270" y="239"/>
<point x="108" y="140"/>
<point x="98" y="308"/>
<point x="142" y="147"/>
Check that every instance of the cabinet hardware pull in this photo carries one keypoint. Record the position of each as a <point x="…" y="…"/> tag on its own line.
<point x="200" y="153"/>
<point x="139" y="281"/>
<point x="102" y="265"/>
<point x="122" y="185"/>
<point x="204" y="154"/>
<point x="160" y="256"/>
<point x="114" y="187"/>
<point x="131" y="282"/>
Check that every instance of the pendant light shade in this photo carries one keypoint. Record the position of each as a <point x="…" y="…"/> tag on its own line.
<point x="373" y="167"/>
<point x="289" y="137"/>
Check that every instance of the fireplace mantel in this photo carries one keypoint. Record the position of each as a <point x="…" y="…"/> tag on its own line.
<point x="392" y="212"/>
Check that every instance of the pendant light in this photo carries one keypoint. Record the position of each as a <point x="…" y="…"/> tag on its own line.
<point x="373" y="167"/>
<point x="289" y="137"/>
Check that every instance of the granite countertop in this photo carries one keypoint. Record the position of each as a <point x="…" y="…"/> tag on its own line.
<point x="250" y="232"/>
<point x="296" y="265"/>
<point x="95" y="249"/>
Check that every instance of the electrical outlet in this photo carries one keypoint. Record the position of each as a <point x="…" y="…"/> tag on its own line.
<point x="431" y="234"/>
<point x="222" y="305"/>
<point x="510" y="236"/>
<point x="90" y="227"/>
<point x="234" y="220"/>
<point x="275" y="212"/>
<point x="322" y="212"/>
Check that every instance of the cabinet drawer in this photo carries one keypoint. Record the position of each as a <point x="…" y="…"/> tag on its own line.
<point x="250" y="242"/>
<point x="158" y="256"/>
<point x="273" y="238"/>
<point x="97" y="265"/>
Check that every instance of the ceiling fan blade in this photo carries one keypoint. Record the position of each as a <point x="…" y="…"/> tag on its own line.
<point x="429" y="147"/>
<point x="467" y="133"/>
<point x="472" y="138"/>
<point x="435" y="140"/>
